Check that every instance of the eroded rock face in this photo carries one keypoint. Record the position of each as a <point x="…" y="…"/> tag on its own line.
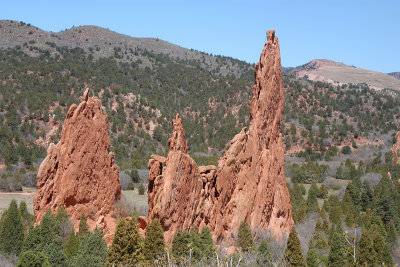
<point x="249" y="182"/>
<point x="79" y="173"/>
<point x="396" y="149"/>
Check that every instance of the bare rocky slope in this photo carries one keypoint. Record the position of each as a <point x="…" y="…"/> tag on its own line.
<point x="325" y="70"/>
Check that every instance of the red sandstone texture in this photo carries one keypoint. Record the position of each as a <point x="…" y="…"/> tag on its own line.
<point x="396" y="149"/>
<point x="79" y="173"/>
<point x="249" y="182"/>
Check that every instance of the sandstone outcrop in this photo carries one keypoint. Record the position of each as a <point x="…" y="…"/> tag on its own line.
<point x="396" y="149"/>
<point x="79" y="173"/>
<point x="249" y="182"/>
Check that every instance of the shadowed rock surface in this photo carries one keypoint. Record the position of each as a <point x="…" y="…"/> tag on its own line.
<point x="79" y="173"/>
<point x="249" y="182"/>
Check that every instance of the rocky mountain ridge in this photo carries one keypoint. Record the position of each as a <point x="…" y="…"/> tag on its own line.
<point x="103" y="43"/>
<point x="337" y="73"/>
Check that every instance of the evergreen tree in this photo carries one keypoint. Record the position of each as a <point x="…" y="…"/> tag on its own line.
<point x="27" y="219"/>
<point x="337" y="254"/>
<point x="293" y="253"/>
<point x="392" y="233"/>
<point x="134" y="175"/>
<point x="61" y="215"/>
<point x="33" y="241"/>
<point x="83" y="227"/>
<point x="380" y="246"/>
<point x="312" y="259"/>
<point x="45" y="239"/>
<point x="207" y="244"/>
<point x="264" y="257"/>
<point x="12" y="231"/>
<point x="181" y="244"/>
<point x="323" y="192"/>
<point x="195" y="243"/>
<point x="30" y="258"/>
<point x="334" y="214"/>
<point x="297" y="195"/>
<point x="366" y="254"/>
<point x="48" y="228"/>
<point x="154" y="242"/>
<point x="301" y="212"/>
<point x="325" y="224"/>
<point x="141" y="189"/>
<point x="245" y="239"/>
<point x="92" y="251"/>
<point x="127" y="245"/>
<point x="55" y="253"/>
<point x="367" y="196"/>
<point x="312" y="201"/>
<point x="71" y="247"/>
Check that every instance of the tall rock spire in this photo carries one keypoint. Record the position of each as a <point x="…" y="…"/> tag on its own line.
<point x="249" y="182"/>
<point x="79" y="173"/>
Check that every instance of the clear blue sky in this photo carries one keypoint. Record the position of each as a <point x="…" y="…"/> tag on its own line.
<point x="362" y="33"/>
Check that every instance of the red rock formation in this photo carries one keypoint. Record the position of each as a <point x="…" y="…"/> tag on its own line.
<point x="249" y="182"/>
<point x="172" y="189"/>
<point x="79" y="173"/>
<point x="396" y="149"/>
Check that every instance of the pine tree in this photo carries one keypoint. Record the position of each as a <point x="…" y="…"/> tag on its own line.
<point x="26" y="218"/>
<point x="312" y="201"/>
<point x="334" y="215"/>
<point x="245" y="239"/>
<point x="380" y="246"/>
<point x="83" y="227"/>
<point x="141" y="189"/>
<point x="264" y="257"/>
<point x="92" y="251"/>
<point x="12" y="231"/>
<point x="55" y="253"/>
<point x="392" y="233"/>
<point x="30" y="258"/>
<point x="301" y="212"/>
<point x="195" y="243"/>
<point x="127" y="245"/>
<point x="71" y="247"/>
<point x="325" y="224"/>
<point x="207" y="243"/>
<point x="181" y="244"/>
<point x="297" y="195"/>
<point x="337" y="254"/>
<point x="33" y="241"/>
<point x="154" y="242"/>
<point x="293" y="255"/>
<point x="48" y="228"/>
<point x="312" y="259"/>
<point x="323" y="192"/>
<point x="366" y="254"/>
